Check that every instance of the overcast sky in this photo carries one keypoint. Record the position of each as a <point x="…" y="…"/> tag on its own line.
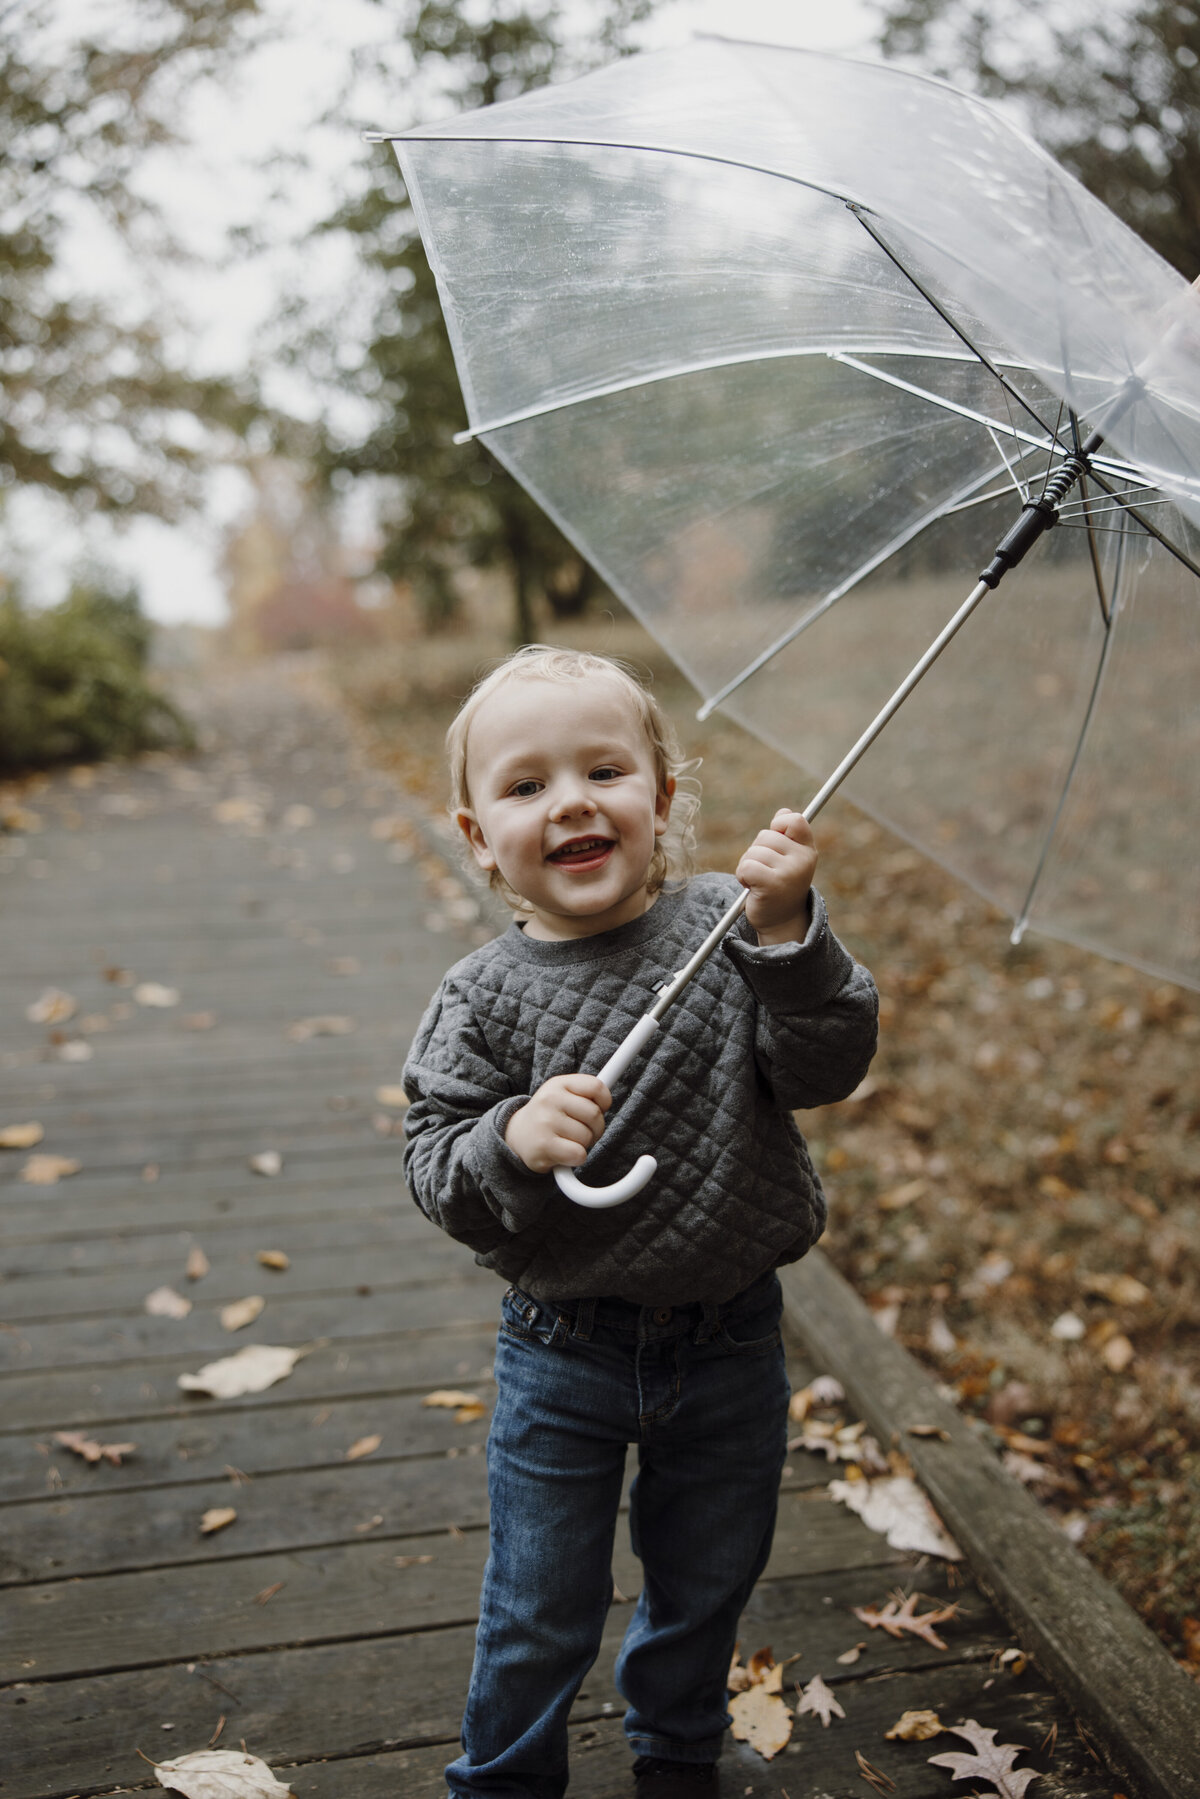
<point x="238" y="172"/>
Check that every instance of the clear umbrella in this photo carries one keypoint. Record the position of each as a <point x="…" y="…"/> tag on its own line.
<point x="783" y="343"/>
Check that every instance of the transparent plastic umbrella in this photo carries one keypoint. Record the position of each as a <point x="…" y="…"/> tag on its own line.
<point x="785" y="343"/>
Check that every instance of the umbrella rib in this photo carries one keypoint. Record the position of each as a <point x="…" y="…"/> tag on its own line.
<point x="864" y="219"/>
<point x="925" y="393"/>
<point x="1022" y="921"/>
<point x="842" y="589"/>
<point x="702" y="366"/>
<point x="1189" y="562"/>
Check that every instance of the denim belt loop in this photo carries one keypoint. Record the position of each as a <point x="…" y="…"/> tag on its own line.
<point x="710" y="1318"/>
<point x="585" y="1319"/>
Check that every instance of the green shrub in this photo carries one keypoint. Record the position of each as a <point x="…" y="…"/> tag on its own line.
<point x="73" y="682"/>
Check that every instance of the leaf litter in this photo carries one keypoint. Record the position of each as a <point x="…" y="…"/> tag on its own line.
<point x="80" y="1443"/>
<point x="899" y="1617"/>
<point x="47" y="1171"/>
<point x="21" y="1136"/>
<point x="896" y="1507"/>
<point x="817" y="1698"/>
<point x="251" y="1370"/>
<point x="164" y="1302"/>
<point x="465" y="1406"/>
<point x="759" y="1715"/>
<point x="241" y="1312"/>
<point x="220" y="1774"/>
<point x="992" y="1761"/>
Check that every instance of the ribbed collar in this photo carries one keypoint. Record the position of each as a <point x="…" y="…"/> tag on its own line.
<point x="660" y="916"/>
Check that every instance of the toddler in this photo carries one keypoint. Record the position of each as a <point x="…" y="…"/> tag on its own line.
<point x="655" y="1322"/>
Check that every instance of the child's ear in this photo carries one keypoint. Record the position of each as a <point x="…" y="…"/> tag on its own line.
<point x="468" y="824"/>
<point x="662" y="807"/>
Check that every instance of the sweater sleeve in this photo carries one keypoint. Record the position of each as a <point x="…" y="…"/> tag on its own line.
<point x="459" y="1169"/>
<point x="818" y="1013"/>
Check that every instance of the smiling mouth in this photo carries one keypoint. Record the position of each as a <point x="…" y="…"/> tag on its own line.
<point x="581" y="852"/>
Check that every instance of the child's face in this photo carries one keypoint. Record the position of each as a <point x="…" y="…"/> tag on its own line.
<point x="565" y="802"/>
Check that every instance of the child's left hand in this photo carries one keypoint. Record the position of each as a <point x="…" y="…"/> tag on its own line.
<point x="778" y="868"/>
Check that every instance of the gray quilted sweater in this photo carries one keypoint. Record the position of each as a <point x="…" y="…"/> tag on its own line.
<point x="735" y="1193"/>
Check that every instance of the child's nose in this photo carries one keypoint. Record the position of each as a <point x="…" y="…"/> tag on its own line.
<point x="572" y="799"/>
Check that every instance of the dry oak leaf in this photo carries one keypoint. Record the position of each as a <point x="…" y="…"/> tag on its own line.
<point x="363" y="1446"/>
<point x="915" y="1727"/>
<point x="327" y="1026"/>
<point x="241" y="1312"/>
<point x="268" y="1162"/>
<point x="21" y="1136"/>
<point x="220" y="1774"/>
<point x="898" y="1509"/>
<point x="251" y="1370"/>
<point x="216" y="1518"/>
<point x="897" y="1618"/>
<point x="164" y="1302"/>
<point x="153" y="993"/>
<point x="761" y="1719"/>
<point x="52" y="1007"/>
<point x="92" y="1451"/>
<point x="274" y="1258"/>
<point x="47" y="1171"/>
<point x="465" y="1406"/>
<point x="992" y="1760"/>
<point x="817" y="1698"/>
<point x="197" y="1263"/>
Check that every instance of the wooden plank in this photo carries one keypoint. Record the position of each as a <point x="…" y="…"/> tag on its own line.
<point x="64" y="1735"/>
<point x="319" y="1269"/>
<point x="131" y="1391"/>
<point x="471" y="1298"/>
<point x="66" y="1628"/>
<point x="277" y="1433"/>
<point x="1126" y="1688"/>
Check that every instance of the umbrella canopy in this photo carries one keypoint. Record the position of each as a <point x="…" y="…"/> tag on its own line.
<point x="782" y="342"/>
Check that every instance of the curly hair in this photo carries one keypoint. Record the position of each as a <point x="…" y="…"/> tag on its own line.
<point x="674" y="852"/>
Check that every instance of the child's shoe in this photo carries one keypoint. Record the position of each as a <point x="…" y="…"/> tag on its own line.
<point x="655" y="1779"/>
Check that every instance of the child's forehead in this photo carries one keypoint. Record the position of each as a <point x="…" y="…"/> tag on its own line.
<point x="536" y="706"/>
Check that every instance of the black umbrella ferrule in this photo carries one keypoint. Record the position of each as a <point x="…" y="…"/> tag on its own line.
<point x="1037" y="516"/>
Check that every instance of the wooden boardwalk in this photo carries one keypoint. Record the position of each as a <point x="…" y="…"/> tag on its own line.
<point x="330" y="1625"/>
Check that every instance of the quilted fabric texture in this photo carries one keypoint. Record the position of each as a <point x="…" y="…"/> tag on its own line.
<point x="790" y="1025"/>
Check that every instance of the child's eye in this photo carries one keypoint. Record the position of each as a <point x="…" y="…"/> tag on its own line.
<point x="606" y="774"/>
<point x="523" y="790"/>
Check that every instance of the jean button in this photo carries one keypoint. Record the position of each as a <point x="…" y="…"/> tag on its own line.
<point x="663" y="1315"/>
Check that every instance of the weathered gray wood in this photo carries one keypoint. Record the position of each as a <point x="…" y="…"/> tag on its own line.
<point x="1095" y="1648"/>
<point x="471" y="1298"/>
<point x="66" y="1398"/>
<point x="118" y="1621"/>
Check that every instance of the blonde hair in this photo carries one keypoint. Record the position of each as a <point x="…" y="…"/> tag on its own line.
<point x="674" y="851"/>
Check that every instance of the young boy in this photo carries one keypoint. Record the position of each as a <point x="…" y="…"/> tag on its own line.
<point x="655" y="1322"/>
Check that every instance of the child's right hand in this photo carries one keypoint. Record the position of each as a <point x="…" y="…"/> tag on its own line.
<point x="557" y="1127"/>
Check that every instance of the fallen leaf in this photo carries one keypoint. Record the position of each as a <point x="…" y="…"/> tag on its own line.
<point x="220" y="1774"/>
<point x="411" y="1561"/>
<point x="873" y="1776"/>
<point x="915" y="1727"/>
<point x="75" y="1051"/>
<point x="450" y="1399"/>
<point x="47" y="1171"/>
<point x="268" y="1593"/>
<point x="898" y="1509"/>
<point x="238" y="811"/>
<point x="391" y="1096"/>
<point x="197" y="1263"/>
<point x="151" y="1171"/>
<point x="1122" y="1289"/>
<point x="370" y="1524"/>
<point x="268" y="1161"/>
<point x="21" y="1136"/>
<point x="153" y="993"/>
<point x="91" y="1451"/>
<point x="896" y="1618"/>
<point x="1117" y="1353"/>
<point x="241" y="1312"/>
<point x="52" y="1007"/>
<point x="848" y="1657"/>
<point x="363" y="1446"/>
<point x="467" y="1414"/>
<point x="327" y="1026"/>
<point x="927" y="1430"/>
<point x="198" y="1021"/>
<point x="761" y="1719"/>
<point x="817" y="1699"/>
<point x="738" y="1678"/>
<point x="274" y="1258"/>
<point x="216" y="1518"/>
<point x="991" y="1761"/>
<point x="164" y="1302"/>
<point x="251" y="1370"/>
<point x="899" y="1197"/>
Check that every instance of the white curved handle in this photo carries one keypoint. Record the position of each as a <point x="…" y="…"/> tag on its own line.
<point x="597" y="1198"/>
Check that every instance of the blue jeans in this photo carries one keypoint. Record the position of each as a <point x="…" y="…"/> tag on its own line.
<point x="702" y="1390"/>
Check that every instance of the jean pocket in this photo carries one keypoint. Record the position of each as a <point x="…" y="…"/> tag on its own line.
<point x="524" y="1318"/>
<point x="756" y="1331"/>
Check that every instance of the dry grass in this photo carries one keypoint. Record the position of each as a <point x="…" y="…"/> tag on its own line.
<point x="1030" y="1132"/>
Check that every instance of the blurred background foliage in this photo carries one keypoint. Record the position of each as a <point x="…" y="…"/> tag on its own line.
<point x="361" y="516"/>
